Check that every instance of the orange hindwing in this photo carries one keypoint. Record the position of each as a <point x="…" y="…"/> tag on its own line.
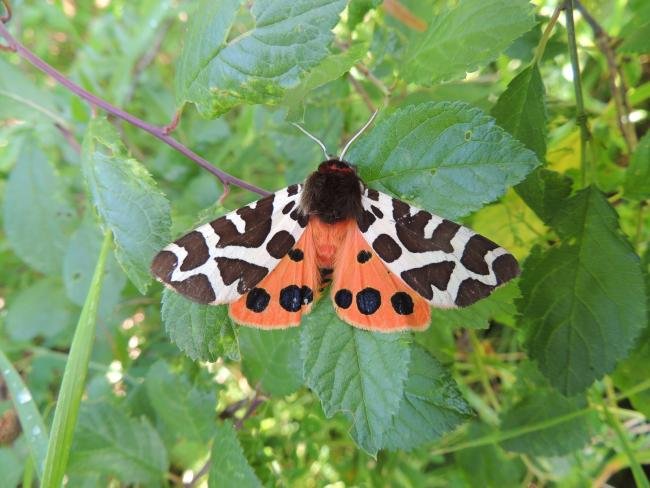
<point x="369" y="296"/>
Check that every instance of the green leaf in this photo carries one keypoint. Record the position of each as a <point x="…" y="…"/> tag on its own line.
<point x="637" y="179"/>
<point x="228" y="465"/>
<point x="42" y="310"/>
<point x="128" y="201"/>
<point x="557" y="440"/>
<point x="633" y="371"/>
<point x="272" y="358"/>
<point x="20" y="98"/>
<point x="449" y="158"/>
<point x="465" y="37"/>
<point x="186" y="416"/>
<point x="37" y="216"/>
<point x="203" y="332"/>
<point x="636" y="33"/>
<point x="583" y="302"/>
<point x="430" y="407"/>
<point x="545" y="192"/>
<point x="218" y="71"/>
<point x="359" y="373"/>
<point x="522" y="112"/>
<point x="331" y="68"/>
<point x="478" y="315"/>
<point x="31" y="421"/>
<point x="488" y="465"/>
<point x="80" y="257"/>
<point x="11" y="467"/>
<point x="107" y="441"/>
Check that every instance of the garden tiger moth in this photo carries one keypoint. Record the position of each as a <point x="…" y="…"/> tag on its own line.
<point x="387" y="261"/>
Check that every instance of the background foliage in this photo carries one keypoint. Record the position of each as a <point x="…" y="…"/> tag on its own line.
<point x="544" y="382"/>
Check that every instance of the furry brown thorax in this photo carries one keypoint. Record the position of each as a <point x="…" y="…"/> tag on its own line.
<point x="333" y="192"/>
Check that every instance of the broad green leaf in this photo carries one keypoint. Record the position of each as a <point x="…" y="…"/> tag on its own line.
<point x="637" y="181"/>
<point x="228" y="465"/>
<point x="465" y="37"/>
<point x="203" y="332"/>
<point x="272" y="358"/>
<point x="20" y="98"/>
<point x="186" y="416"/>
<point x="42" y="310"/>
<point x="583" y="302"/>
<point x="78" y="263"/>
<point x="448" y="158"/>
<point x="107" y="441"/>
<point x="37" y="215"/>
<point x="359" y="373"/>
<point x="499" y="305"/>
<point x="219" y="70"/>
<point x="522" y="112"/>
<point x="489" y="466"/>
<point x="331" y="68"/>
<point x="128" y="201"/>
<point x="547" y="404"/>
<point x="430" y="407"/>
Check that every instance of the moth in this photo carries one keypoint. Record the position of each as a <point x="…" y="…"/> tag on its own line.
<point x="386" y="262"/>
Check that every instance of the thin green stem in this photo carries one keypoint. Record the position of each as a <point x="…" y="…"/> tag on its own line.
<point x="539" y="52"/>
<point x="637" y="471"/>
<point x="639" y="225"/>
<point x="581" y="116"/>
<point x="74" y="378"/>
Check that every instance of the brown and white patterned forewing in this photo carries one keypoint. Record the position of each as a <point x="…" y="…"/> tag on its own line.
<point x="446" y="263"/>
<point x="220" y="261"/>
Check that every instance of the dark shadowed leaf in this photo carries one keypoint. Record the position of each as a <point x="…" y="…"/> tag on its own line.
<point x="218" y="71"/>
<point x="431" y="405"/>
<point x="228" y="465"/>
<point x="448" y="158"/>
<point x="128" y="201"/>
<point x="359" y="373"/>
<point x="583" y="302"/>
<point x="272" y="358"/>
<point x="464" y="37"/>
<point x="203" y="332"/>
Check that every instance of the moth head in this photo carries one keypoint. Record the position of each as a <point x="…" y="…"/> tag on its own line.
<point x="336" y="166"/>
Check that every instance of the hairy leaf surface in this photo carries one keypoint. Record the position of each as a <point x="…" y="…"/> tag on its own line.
<point x="355" y="372"/>
<point x="448" y="158"/>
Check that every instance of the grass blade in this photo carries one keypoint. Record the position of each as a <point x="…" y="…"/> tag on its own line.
<point x="30" y="418"/>
<point x="74" y="379"/>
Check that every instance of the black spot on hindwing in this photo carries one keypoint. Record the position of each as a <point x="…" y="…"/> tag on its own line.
<point x="402" y="303"/>
<point x="296" y="255"/>
<point x="343" y="298"/>
<point x="368" y="301"/>
<point x="364" y="256"/>
<point x="257" y="300"/>
<point x="291" y="298"/>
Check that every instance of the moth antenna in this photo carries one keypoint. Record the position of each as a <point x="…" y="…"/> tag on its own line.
<point x="313" y="138"/>
<point x="359" y="132"/>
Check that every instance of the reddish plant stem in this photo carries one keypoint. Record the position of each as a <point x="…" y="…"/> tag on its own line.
<point x="155" y="131"/>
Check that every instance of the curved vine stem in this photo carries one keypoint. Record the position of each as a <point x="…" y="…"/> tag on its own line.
<point x="160" y="133"/>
